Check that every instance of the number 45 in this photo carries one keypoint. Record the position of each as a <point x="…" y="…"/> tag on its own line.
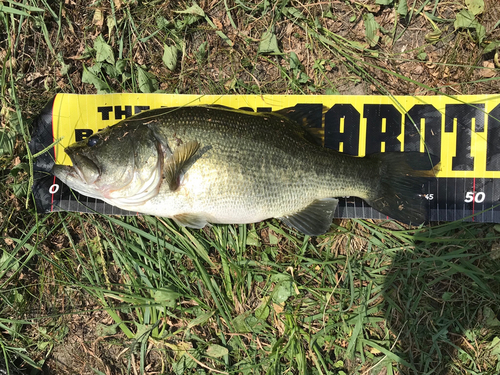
<point x="477" y="197"/>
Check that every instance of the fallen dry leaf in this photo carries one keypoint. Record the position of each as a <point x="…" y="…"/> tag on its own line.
<point x="489" y="70"/>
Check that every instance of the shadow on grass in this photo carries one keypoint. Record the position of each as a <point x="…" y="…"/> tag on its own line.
<point x="443" y="299"/>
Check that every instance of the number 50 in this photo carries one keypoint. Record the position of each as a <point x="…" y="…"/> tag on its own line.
<point x="478" y="197"/>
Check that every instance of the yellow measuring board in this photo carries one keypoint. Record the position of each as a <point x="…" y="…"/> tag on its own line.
<point x="462" y="133"/>
<point x="458" y="130"/>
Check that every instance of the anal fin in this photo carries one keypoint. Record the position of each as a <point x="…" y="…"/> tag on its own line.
<point x="196" y="221"/>
<point x="315" y="219"/>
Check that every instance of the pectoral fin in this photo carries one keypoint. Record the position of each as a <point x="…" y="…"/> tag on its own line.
<point x="177" y="161"/>
<point x="315" y="219"/>
<point x="196" y="221"/>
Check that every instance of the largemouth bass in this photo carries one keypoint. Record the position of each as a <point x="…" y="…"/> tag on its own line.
<point x="211" y="164"/>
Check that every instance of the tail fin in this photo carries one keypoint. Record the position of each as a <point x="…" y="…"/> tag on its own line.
<point x="400" y="193"/>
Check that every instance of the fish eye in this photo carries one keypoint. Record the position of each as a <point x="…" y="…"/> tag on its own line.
<point x="92" y="141"/>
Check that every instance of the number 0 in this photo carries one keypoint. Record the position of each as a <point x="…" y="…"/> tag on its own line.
<point x="480" y="197"/>
<point x="54" y="189"/>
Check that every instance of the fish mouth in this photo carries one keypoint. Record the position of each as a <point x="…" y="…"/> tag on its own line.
<point x="81" y="176"/>
<point x="73" y="177"/>
<point x="84" y="167"/>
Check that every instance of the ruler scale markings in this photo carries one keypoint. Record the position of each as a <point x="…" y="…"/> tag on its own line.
<point x="473" y="197"/>
<point x="52" y="196"/>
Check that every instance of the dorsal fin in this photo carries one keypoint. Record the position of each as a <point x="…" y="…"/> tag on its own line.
<point x="218" y="106"/>
<point x="177" y="161"/>
<point x="309" y="117"/>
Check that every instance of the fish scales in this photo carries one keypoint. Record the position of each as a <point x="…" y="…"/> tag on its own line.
<point x="249" y="159"/>
<point x="209" y="164"/>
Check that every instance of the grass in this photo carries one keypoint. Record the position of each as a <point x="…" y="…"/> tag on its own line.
<point x="139" y="295"/>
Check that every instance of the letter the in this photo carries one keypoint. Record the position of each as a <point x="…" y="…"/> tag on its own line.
<point x="105" y="111"/>
<point x="432" y="133"/>
<point x="349" y="135"/>
<point x="81" y="134"/>
<point x="375" y="134"/>
<point x="119" y="112"/>
<point x="140" y="108"/>
<point x="493" y="145"/>
<point x="463" y="114"/>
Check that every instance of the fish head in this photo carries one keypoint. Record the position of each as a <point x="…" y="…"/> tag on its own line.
<point x="121" y="165"/>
